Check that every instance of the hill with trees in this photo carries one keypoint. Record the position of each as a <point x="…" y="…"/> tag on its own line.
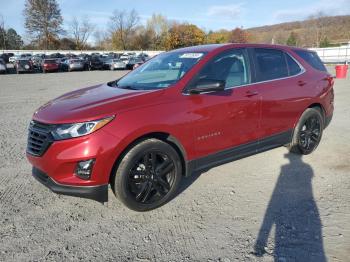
<point x="317" y="31"/>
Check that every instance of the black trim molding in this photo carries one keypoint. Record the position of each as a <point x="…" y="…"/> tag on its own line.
<point x="98" y="193"/>
<point x="205" y="163"/>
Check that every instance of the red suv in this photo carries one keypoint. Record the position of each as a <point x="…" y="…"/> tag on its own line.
<point x="181" y="112"/>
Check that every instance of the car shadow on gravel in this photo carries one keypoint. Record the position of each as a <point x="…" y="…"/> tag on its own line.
<point x="294" y="213"/>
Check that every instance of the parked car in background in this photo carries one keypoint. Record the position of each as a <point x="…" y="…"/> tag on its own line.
<point x="85" y="59"/>
<point x="75" y="64"/>
<point x="116" y="64"/>
<point x="63" y="64"/>
<point x="50" y="65"/>
<point x="24" y="65"/>
<point x="143" y="56"/>
<point x="5" y="57"/>
<point x="106" y="61"/>
<point x="37" y="61"/>
<point x="137" y="65"/>
<point x="14" y="58"/>
<point x="56" y="55"/>
<point x="94" y="63"/>
<point x="3" y="68"/>
<point x="132" y="61"/>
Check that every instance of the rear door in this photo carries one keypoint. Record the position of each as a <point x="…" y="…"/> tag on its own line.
<point x="280" y="80"/>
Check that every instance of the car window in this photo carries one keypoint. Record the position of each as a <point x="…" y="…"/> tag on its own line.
<point x="230" y="66"/>
<point x="312" y="59"/>
<point x="161" y="72"/>
<point x="293" y="67"/>
<point x="271" y="64"/>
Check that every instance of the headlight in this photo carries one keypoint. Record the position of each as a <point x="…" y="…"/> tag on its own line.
<point x="66" y="131"/>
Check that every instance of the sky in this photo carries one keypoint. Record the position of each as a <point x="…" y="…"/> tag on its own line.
<point x="207" y="14"/>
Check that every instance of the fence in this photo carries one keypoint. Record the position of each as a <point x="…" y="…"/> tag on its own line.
<point x="327" y="55"/>
<point x="48" y="52"/>
<point x="334" y="54"/>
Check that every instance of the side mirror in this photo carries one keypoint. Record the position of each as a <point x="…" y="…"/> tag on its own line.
<point x="207" y="85"/>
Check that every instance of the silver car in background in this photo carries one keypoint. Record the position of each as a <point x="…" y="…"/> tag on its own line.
<point x="3" y="68"/>
<point x="75" y="64"/>
<point x="117" y="64"/>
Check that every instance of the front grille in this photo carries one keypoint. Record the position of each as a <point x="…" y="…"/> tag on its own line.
<point x="39" y="138"/>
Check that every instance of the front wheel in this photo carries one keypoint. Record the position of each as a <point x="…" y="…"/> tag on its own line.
<point x="308" y="132"/>
<point x="148" y="175"/>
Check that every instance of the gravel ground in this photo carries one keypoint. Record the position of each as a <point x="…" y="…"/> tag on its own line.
<point x="295" y="209"/>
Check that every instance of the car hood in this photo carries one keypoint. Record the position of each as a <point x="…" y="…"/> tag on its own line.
<point x="93" y="103"/>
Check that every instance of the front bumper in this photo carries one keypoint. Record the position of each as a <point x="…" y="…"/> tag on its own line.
<point x="98" y="193"/>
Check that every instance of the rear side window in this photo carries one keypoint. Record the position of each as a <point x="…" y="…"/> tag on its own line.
<point x="271" y="64"/>
<point x="293" y="67"/>
<point x="312" y="59"/>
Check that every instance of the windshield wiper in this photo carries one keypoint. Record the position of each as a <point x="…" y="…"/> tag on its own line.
<point x="126" y="87"/>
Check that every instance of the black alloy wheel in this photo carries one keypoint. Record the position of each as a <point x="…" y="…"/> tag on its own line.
<point x="151" y="177"/>
<point x="148" y="175"/>
<point x="309" y="135"/>
<point x="308" y="132"/>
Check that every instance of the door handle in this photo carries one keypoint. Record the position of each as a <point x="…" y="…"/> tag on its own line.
<point x="301" y="83"/>
<point x="251" y="93"/>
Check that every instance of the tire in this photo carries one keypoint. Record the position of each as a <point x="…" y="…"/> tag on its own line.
<point x="141" y="186"/>
<point x="308" y="132"/>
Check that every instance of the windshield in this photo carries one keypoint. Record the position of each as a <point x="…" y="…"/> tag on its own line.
<point x="161" y="71"/>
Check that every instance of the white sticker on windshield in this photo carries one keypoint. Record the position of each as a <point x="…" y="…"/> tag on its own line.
<point x="191" y="55"/>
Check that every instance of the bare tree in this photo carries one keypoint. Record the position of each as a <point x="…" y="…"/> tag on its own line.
<point x="102" y="40"/>
<point x="43" y="20"/>
<point x="123" y="24"/>
<point x="81" y="31"/>
<point x="318" y="26"/>
<point x="2" y="32"/>
<point x="158" y="26"/>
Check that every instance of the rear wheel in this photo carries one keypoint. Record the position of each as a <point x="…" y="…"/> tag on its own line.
<point x="308" y="132"/>
<point x="148" y="175"/>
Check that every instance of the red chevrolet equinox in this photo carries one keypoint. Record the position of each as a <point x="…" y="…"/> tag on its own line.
<point x="183" y="111"/>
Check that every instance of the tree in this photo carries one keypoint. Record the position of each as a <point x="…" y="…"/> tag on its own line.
<point x="292" y="39"/>
<point x="123" y="24"/>
<point x="13" y="40"/>
<point x="325" y="42"/>
<point x="317" y="28"/>
<point x="81" y="31"/>
<point x="182" y="35"/>
<point x="238" y="35"/>
<point x="142" y="39"/>
<point x="102" y="40"/>
<point x="2" y="33"/>
<point x="67" y="44"/>
<point x="158" y="27"/>
<point x="43" y="21"/>
<point x="218" y="37"/>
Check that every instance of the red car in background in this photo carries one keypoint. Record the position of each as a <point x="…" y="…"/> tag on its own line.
<point x="50" y="65"/>
<point x="181" y="112"/>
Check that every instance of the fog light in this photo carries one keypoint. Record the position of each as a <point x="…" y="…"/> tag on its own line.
<point x="84" y="169"/>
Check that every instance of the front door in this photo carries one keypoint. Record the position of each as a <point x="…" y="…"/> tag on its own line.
<point x="226" y="119"/>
